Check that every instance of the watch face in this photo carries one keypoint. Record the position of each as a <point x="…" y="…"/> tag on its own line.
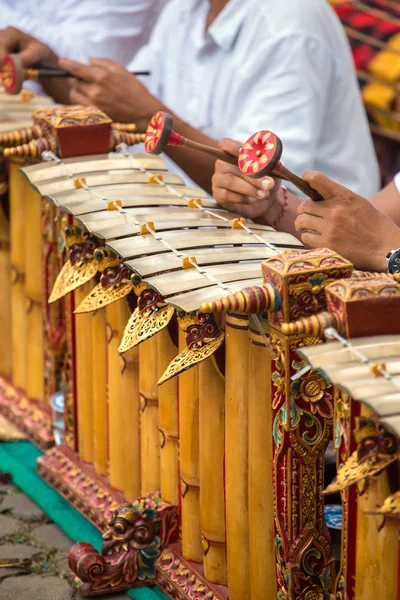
<point x="394" y="262"/>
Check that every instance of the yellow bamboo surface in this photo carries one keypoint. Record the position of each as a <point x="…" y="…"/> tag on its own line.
<point x="189" y="460"/>
<point x="5" y="297"/>
<point x="84" y="375"/>
<point x="261" y="502"/>
<point x="168" y="421"/>
<point x="236" y="456"/>
<point x="18" y="190"/>
<point x="212" y="486"/>
<point x="130" y="410"/>
<point x="376" y="552"/>
<point x="99" y="381"/>
<point x="34" y="295"/>
<point x="114" y="395"/>
<point x="149" y="434"/>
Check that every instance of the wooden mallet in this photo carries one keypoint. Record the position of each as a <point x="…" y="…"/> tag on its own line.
<point x="259" y="156"/>
<point x="13" y="73"/>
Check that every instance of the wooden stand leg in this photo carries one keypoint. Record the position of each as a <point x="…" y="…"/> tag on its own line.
<point x="150" y="438"/>
<point x="236" y="456"/>
<point x="18" y="189"/>
<point x="130" y="410"/>
<point x="115" y="421"/>
<point x="99" y="381"/>
<point x="34" y="289"/>
<point x="5" y="297"/>
<point x="189" y="460"/>
<point x="261" y="501"/>
<point x="84" y="375"/>
<point x="212" y="488"/>
<point x="168" y="421"/>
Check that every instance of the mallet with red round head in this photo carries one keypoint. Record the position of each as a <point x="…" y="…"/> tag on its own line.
<point x="259" y="156"/>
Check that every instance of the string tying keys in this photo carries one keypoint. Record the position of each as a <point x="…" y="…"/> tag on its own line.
<point x="147" y="228"/>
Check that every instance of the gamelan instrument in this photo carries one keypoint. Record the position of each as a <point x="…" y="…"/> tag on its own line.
<point x="259" y="156"/>
<point x="13" y="74"/>
<point x="196" y="430"/>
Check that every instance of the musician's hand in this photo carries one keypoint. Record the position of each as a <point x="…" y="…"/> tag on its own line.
<point x="109" y="86"/>
<point x="347" y="224"/>
<point x="30" y="50"/>
<point x="251" y="198"/>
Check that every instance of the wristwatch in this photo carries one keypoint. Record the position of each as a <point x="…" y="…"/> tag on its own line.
<point x="393" y="261"/>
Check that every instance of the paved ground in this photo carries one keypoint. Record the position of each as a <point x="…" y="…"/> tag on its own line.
<point x="27" y="534"/>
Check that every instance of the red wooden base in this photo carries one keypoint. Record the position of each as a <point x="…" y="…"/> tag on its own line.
<point x="183" y="580"/>
<point x="77" y="482"/>
<point x="31" y="417"/>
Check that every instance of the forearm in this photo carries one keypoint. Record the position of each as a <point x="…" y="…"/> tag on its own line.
<point x="388" y="201"/>
<point x="58" y="89"/>
<point x="197" y="165"/>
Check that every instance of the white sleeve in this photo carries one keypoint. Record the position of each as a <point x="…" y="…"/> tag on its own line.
<point x="101" y="28"/>
<point x="290" y="82"/>
<point x="150" y="56"/>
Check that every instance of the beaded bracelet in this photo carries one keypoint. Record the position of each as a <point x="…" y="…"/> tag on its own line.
<point x="284" y="207"/>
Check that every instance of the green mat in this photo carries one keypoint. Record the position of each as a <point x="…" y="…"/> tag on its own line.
<point x="19" y="458"/>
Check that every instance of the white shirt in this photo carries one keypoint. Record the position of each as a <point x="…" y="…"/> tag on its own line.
<point x="78" y="29"/>
<point x="284" y="66"/>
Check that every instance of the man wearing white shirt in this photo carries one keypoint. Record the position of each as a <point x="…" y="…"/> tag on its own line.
<point x="231" y="67"/>
<point x="79" y="29"/>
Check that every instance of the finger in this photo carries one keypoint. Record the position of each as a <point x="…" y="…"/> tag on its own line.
<point x="10" y="41"/>
<point x="306" y="221"/>
<point x="225" y="197"/>
<point x="318" y="209"/>
<point x="106" y="63"/>
<point x="313" y="240"/>
<point x="36" y="52"/>
<point x="238" y="185"/>
<point x="325" y="186"/>
<point x="230" y="146"/>
<point x="83" y="72"/>
<point x="76" y="97"/>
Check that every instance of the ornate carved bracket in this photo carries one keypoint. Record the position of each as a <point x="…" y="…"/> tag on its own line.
<point x="136" y="536"/>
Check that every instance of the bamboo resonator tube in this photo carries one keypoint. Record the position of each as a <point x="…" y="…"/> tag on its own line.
<point x="99" y="361"/>
<point x="237" y="456"/>
<point x="130" y="411"/>
<point x="168" y="421"/>
<point x="84" y="375"/>
<point x="261" y="503"/>
<point x="19" y="188"/>
<point x="211" y="469"/>
<point x="259" y="156"/>
<point x="189" y="460"/>
<point x="34" y="295"/>
<point x="13" y="74"/>
<point x="149" y="434"/>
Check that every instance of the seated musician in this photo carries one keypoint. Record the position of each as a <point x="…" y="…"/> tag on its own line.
<point x="76" y="29"/>
<point x="232" y="67"/>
